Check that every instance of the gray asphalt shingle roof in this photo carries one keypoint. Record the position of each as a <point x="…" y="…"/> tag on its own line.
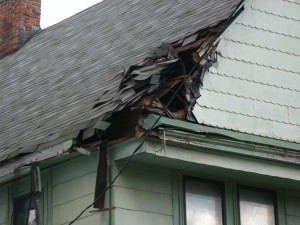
<point x="49" y="87"/>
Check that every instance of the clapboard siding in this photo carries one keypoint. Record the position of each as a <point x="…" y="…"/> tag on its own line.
<point x="74" y="189"/>
<point x="125" y="216"/>
<point x="68" y="188"/>
<point x="74" y="169"/>
<point x="142" y="195"/>
<point x="64" y="213"/>
<point x="144" y="177"/>
<point x="73" y="185"/>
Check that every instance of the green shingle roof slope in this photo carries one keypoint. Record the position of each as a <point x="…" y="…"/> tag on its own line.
<point x="49" y="87"/>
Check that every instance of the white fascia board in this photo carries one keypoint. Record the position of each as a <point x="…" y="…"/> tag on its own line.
<point x="6" y="171"/>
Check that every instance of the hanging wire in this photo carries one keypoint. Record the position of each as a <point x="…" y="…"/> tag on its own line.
<point x="143" y="141"/>
<point x="228" y="22"/>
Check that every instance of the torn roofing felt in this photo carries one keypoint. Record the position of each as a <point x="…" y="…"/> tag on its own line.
<point x="71" y="77"/>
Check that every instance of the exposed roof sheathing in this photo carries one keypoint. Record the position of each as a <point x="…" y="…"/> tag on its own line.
<point x="50" y="86"/>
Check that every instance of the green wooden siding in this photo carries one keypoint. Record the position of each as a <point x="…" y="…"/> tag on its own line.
<point x="168" y="164"/>
<point x="254" y="85"/>
<point x="142" y="195"/>
<point x="73" y="185"/>
<point x="137" y="202"/>
<point x="67" y="189"/>
<point x="146" y="193"/>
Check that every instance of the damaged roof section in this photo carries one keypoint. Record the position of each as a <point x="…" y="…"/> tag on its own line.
<point x="148" y="87"/>
<point x="152" y="85"/>
<point x="74" y="92"/>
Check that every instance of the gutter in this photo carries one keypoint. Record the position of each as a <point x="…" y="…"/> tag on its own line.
<point x="229" y="134"/>
<point x="7" y="171"/>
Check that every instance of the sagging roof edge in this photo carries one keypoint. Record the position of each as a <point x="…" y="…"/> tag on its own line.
<point x="6" y="171"/>
<point x="165" y="122"/>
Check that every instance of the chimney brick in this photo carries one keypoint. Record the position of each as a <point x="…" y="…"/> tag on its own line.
<point x="19" y="20"/>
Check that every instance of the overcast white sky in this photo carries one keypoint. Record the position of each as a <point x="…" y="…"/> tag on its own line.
<point x="54" y="11"/>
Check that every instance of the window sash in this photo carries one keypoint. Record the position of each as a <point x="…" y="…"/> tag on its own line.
<point x="256" y="206"/>
<point x="24" y="210"/>
<point x="204" y="200"/>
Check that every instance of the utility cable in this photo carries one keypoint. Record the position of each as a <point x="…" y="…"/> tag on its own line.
<point x="143" y="141"/>
<point x="230" y="19"/>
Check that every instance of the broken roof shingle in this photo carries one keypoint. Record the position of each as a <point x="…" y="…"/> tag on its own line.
<point x="50" y="86"/>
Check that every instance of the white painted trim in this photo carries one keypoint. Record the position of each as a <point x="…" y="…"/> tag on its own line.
<point x="6" y="171"/>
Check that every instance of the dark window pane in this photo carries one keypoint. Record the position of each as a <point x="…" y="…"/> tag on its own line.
<point x="203" y="203"/>
<point x="256" y="207"/>
<point x="24" y="211"/>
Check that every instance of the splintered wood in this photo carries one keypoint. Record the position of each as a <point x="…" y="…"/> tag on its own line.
<point x="147" y="88"/>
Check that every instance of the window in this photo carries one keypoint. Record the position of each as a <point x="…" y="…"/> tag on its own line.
<point x="206" y="202"/>
<point x="25" y="210"/>
<point x="203" y="201"/>
<point x="256" y="206"/>
<point x="26" y="195"/>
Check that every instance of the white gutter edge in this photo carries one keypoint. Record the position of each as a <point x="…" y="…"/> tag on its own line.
<point x="6" y="171"/>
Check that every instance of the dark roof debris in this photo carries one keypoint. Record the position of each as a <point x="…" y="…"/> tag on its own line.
<point x="148" y="86"/>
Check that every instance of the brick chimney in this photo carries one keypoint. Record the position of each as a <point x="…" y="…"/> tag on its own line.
<point x="19" y="20"/>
